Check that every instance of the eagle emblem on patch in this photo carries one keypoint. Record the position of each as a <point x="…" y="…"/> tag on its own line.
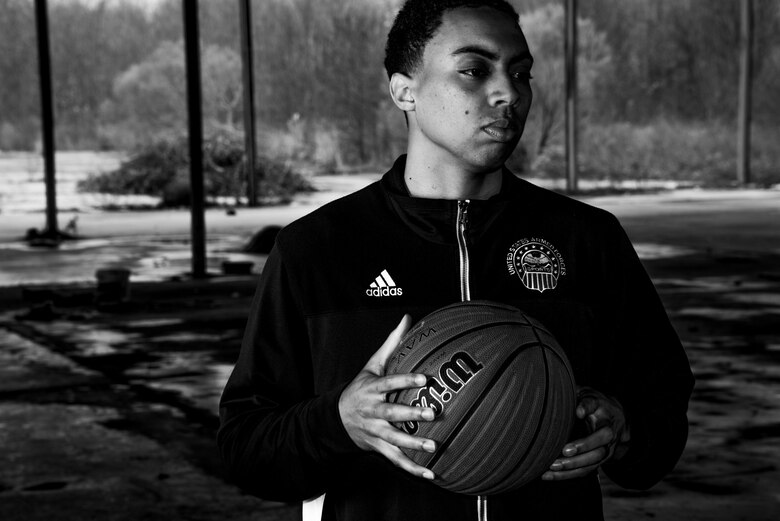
<point x="537" y="263"/>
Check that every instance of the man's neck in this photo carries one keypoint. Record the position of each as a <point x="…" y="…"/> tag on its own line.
<point x="439" y="180"/>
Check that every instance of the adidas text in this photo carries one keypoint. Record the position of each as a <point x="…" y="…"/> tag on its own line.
<point x="384" y="292"/>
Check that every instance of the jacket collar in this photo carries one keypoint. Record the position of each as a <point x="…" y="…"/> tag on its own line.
<point x="436" y="219"/>
<point x="393" y="180"/>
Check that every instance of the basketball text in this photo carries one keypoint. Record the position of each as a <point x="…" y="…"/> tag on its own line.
<point x="452" y="376"/>
<point x="415" y="338"/>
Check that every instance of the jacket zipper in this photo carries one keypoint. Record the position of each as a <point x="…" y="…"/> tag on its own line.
<point x="482" y="514"/>
<point x="463" y="249"/>
<point x="465" y="295"/>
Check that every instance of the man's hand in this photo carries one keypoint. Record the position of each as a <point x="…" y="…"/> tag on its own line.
<point x="367" y="416"/>
<point x="608" y="438"/>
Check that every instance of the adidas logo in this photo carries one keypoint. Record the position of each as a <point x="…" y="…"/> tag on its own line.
<point x="384" y="286"/>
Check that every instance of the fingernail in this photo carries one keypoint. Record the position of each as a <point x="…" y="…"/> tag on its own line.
<point x="547" y="476"/>
<point x="420" y="380"/>
<point x="428" y="474"/>
<point x="428" y="414"/>
<point x="580" y="412"/>
<point x="569" y="451"/>
<point x="556" y="465"/>
<point x="429" y="446"/>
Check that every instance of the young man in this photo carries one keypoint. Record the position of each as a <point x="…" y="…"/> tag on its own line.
<point x="304" y="413"/>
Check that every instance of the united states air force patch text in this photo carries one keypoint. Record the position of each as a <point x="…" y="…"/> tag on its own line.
<point x="537" y="263"/>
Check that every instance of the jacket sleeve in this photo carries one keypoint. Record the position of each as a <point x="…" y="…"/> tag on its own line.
<point x="279" y="440"/>
<point x="648" y="373"/>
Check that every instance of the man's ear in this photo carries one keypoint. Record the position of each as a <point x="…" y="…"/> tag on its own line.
<point x="401" y="91"/>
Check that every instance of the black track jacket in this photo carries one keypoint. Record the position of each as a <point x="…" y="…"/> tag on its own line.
<point x="340" y="279"/>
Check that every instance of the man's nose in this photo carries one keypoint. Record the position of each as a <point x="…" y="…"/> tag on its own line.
<point x="505" y="90"/>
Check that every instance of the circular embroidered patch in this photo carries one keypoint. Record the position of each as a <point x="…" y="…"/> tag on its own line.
<point x="537" y="263"/>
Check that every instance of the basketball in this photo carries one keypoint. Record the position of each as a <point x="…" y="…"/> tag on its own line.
<point x="502" y="390"/>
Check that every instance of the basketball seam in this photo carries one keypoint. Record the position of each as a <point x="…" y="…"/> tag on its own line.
<point x="537" y="431"/>
<point x="561" y="356"/>
<point x="479" y="303"/>
<point x="496" y="477"/>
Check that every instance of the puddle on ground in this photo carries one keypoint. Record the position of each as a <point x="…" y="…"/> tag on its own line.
<point x="154" y="322"/>
<point x="202" y="391"/>
<point x="726" y="314"/>
<point x="763" y="299"/>
<point x="650" y="251"/>
<point x="92" y="341"/>
<point x="181" y="361"/>
<point x="712" y="284"/>
<point x="185" y="337"/>
<point x="66" y="246"/>
<point x="147" y="259"/>
<point x="166" y="364"/>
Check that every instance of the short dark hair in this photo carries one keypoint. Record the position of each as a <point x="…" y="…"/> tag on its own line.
<point x="416" y="23"/>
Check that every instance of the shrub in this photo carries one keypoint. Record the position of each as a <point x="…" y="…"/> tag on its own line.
<point x="696" y="152"/>
<point x="161" y="169"/>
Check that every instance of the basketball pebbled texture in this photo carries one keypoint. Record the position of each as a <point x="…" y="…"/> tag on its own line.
<point x="502" y="389"/>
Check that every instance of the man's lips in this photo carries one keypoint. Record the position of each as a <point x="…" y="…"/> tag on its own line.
<point x="502" y="130"/>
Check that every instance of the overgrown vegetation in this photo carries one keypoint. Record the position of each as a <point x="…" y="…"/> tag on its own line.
<point x="657" y="82"/>
<point x="665" y="150"/>
<point x="161" y="169"/>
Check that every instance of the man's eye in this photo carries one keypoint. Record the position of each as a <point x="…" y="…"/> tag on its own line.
<point x="474" y="72"/>
<point x="522" y="76"/>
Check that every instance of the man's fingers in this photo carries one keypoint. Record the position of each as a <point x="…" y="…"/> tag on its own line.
<point x="587" y="455"/>
<point x="599" y="418"/>
<point x="603" y="436"/>
<point x="401" y="413"/>
<point x="587" y="402"/>
<point x="568" y="474"/>
<point x="586" y="459"/>
<point x="399" y="459"/>
<point x="606" y="422"/>
<point x="396" y="382"/>
<point x="376" y="364"/>
<point x="399" y="438"/>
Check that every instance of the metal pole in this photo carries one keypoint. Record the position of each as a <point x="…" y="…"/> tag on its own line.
<point x="195" y="119"/>
<point x="47" y="116"/>
<point x="247" y="59"/>
<point x="745" y="91"/>
<point x="570" y="43"/>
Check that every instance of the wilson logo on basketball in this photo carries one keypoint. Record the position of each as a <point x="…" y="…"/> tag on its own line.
<point x="453" y="375"/>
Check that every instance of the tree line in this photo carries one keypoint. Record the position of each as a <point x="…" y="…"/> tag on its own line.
<point x="118" y="73"/>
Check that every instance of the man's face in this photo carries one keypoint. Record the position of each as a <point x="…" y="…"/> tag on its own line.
<point x="471" y="92"/>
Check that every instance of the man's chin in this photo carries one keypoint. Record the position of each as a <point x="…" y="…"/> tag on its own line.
<point x="494" y="158"/>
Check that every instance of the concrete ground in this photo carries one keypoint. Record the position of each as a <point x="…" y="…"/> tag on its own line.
<point x="109" y="411"/>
